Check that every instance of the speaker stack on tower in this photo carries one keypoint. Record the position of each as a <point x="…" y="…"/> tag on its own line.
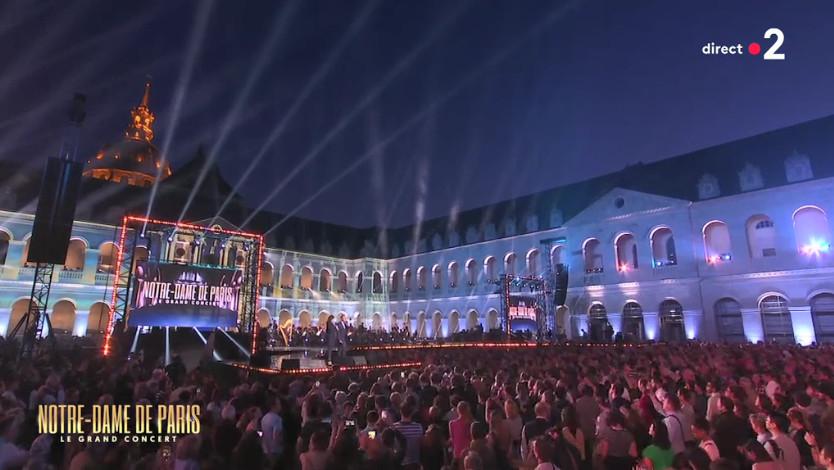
<point x="560" y="293"/>
<point x="52" y="227"/>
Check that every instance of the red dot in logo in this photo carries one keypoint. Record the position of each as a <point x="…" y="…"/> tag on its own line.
<point x="754" y="48"/>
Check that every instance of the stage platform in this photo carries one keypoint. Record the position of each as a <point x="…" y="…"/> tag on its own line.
<point x="308" y="358"/>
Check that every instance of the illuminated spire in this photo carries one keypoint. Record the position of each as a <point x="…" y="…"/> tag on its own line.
<point x="141" y="119"/>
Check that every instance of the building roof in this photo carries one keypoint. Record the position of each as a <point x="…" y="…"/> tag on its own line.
<point x="761" y="161"/>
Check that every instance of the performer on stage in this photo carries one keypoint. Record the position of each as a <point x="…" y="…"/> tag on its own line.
<point x="342" y="330"/>
<point x="332" y="336"/>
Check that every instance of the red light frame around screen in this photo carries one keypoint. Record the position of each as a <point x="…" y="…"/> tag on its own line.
<point x="127" y="220"/>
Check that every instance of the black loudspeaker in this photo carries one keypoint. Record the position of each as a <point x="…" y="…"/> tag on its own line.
<point x="290" y="364"/>
<point x="52" y="228"/>
<point x="343" y="361"/>
<point x="561" y="291"/>
<point x="60" y="188"/>
<point x="260" y="359"/>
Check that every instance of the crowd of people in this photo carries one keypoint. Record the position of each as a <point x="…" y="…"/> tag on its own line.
<point x="567" y="407"/>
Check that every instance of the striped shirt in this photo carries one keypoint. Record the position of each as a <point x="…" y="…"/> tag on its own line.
<point x="413" y="433"/>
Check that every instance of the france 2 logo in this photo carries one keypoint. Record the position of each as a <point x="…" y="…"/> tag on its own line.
<point x="753" y="48"/>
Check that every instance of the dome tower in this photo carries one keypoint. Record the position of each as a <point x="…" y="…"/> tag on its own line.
<point x="134" y="160"/>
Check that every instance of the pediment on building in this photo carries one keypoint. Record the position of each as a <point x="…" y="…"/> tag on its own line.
<point x="621" y="203"/>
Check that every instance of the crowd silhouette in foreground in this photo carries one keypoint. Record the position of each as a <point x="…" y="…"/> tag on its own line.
<point x="685" y="407"/>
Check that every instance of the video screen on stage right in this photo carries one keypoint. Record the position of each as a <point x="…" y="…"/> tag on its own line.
<point x="523" y="309"/>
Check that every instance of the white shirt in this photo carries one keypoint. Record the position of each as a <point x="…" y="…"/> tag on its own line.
<point x="272" y="426"/>
<point x="679" y="430"/>
<point x="789" y="453"/>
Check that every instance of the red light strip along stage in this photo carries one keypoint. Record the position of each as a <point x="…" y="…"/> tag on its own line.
<point x="327" y="370"/>
<point x="491" y="345"/>
<point x="127" y="220"/>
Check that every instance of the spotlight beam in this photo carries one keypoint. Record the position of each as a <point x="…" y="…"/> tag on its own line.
<point x="540" y="26"/>
<point x="195" y="41"/>
<point x="308" y="89"/>
<point x="279" y="28"/>
<point x="366" y="100"/>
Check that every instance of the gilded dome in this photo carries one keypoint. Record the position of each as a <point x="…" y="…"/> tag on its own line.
<point x="135" y="159"/>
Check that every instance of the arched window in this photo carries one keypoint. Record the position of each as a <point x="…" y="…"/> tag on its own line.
<point x="632" y="322"/>
<point x="323" y="316"/>
<point x="421" y="325"/>
<point x="360" y="279"/>
<point x="671" y="321"/>
<point x="729" y="322"/>
<point x="472" y="320"/>
<point x="598" y="323"/>
<point x="284" y="319"/>
<point x="492" y="320"/>
<point x="63" y="317"/>
<point x="626" y="250"/>
<point x="761" y="236"/>
<point x="822" y="312"/>
<point x="325" y="280"/>
<point x="407" y="279"/>
<point x="394" y="282"/>
<point x="421" y="278"/>
<point x="266" y="274"/>
<point x="533" y="262"/>
<point x="454" y="322"/>
<point x="307" y="278"/>
<point x="436" y="276"/>
<point x="663" y="247"/>
<point x="24" y="260"/>
<point x="394" y="323"/>
<point x="453" y="274"/>
<point x="489" y="269"/>
<point x="98" y="318"/>
<point x="305" y="320"/>
<point x="717" y="246"/>
<point x="437" y="325"/>
<point x="5" y="238"/>
<point x="75" y="255"/>
<point x="264" y="320"/>
<point x="287" y="273"/>
<point x="810" y="225"/>
<point x="19" y="310"/>
<point x="471" y="272"/>
<point x="776" y="319"/>
<point x="342" y="282"/>
<point x="592" y="255"/>
<point x="408" y="328"/>
<point x="509" y="264"/>
<point x="106" y="257"/>
<point x="376" y="322"/>
<point x="557" y="256"/>
<point x="376" y="283"/>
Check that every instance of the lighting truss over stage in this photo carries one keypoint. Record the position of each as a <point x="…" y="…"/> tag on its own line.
<point x="190" y="276"/>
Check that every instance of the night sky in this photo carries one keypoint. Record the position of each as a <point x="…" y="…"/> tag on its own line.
<point x="383" y="113"/>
